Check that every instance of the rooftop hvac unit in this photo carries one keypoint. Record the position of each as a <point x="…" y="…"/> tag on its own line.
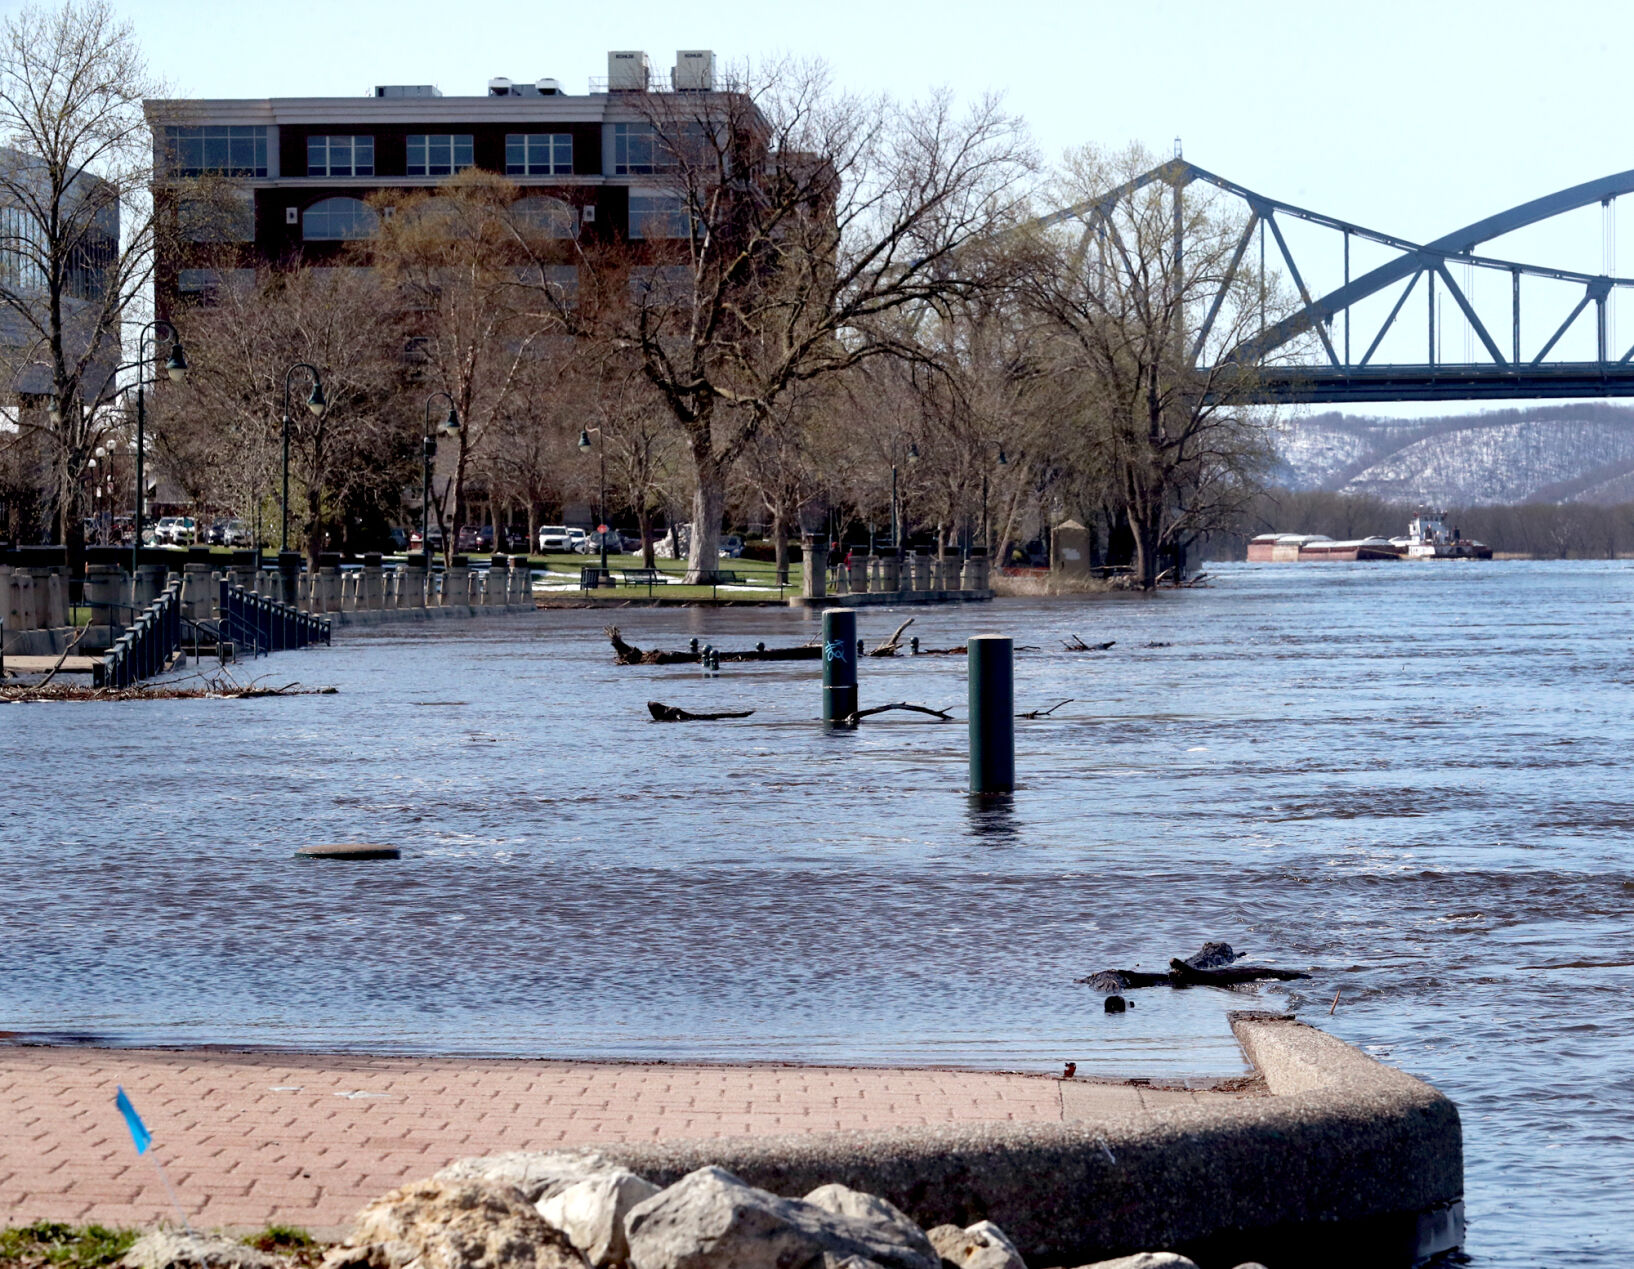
<point x="499" y="86"/>
<point x="407" y="90"/>
<point x="627" y="72"/>
<point x="548" y="88"/>
<point x="694" y="71"/>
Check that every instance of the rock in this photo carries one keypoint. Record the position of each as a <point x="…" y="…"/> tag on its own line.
<point x="591" y="1213"/>
<point x="538" y="1174"/>
<point x="710" y="1219"/>
<point x="870" y="1209"/>
<point x="453" y="1225"/>
<point x="178" y="1249"/>
<point x="1145" y="1260"/>
<point x="981" y="1246"/>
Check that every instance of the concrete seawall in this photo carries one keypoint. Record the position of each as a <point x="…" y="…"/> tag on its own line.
<point x="1347" y="1162"/>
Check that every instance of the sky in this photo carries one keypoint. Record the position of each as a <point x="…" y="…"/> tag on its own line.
<point x="1412" y="118"/>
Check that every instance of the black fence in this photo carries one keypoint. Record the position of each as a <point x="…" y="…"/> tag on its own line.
<point x="149" y="646"/>
<point x="256" y="624"/>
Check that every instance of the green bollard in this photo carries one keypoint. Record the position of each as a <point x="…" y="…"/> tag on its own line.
<point x="992" y="714"/>
<point x="839" y="667"/>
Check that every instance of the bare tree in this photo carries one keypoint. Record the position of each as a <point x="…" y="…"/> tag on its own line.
<point x="1141" y="298"/>
<point x="76" y="225"/>
<point x="223" y="436"/>
<point x="790" y="224"/>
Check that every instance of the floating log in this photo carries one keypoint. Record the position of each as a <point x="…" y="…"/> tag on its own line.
<point x="1045" y="713"/>
<point x="1210" y="967"/>
<point x="941" y="715"/>
<point x="1075" y="644"/>
<point x="662" y="713"/>
<point x="629" y="654"/>
<point x="894" y="644"/>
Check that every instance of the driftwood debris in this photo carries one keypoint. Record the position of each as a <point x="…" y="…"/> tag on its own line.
<point x="1075" y="644"/>
<point x="662" y="713"/>
<point x="218" y="688"/>
<point x="940" y="715"/>
<point x="1213" y="966"/>
<point x="1045" y="713"/>
<point x="629" y="654"/>
<point x="893" y="645"/>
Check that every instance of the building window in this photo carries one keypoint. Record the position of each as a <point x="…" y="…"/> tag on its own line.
<point x="548" y="216"/>
<point x="339" y="220"/>
<point x="217" y="149"/>
<point x="438" y="155"/>
<point x="340" y="156"/>
<point x="633" y="145"/>
<point x="658" y="216"/>
<point x="225" y="216"/>
<point x="538" y="154"/>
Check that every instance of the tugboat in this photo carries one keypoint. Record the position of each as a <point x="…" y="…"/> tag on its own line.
<point x="1428" y="538"/>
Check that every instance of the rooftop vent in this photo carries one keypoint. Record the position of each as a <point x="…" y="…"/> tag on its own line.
<point x="407" y="90"/>
<point x="499" y="86"/>
<point x="694" y="71"/>
<point x="627" y="72"/>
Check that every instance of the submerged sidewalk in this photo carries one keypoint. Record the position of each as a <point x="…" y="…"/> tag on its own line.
<point x="251" y="1139"/>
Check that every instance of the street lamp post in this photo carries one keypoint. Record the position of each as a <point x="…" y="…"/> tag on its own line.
<point x="896" y="510"/>
<point x="450" y="426"/>
<point x="601" y="506"/>
<point x="176" y="368"/>
<point x="316" y="404"/>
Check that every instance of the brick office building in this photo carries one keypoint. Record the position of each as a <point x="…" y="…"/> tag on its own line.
<point x="297" y="170"/>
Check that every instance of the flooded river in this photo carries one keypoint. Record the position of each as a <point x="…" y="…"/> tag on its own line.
<point x="1410" y="779"/>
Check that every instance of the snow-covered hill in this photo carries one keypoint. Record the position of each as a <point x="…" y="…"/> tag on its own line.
<point x="1571" y="453"/>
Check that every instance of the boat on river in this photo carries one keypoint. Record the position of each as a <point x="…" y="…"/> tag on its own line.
<point x="1428" y="538"/>
<point x="1288" y="548"/>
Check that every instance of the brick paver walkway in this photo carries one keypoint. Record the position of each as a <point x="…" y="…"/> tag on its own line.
<point x="250" y="1139"/>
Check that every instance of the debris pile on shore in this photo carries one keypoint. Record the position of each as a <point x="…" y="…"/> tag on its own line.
<point x="572" y="1209"/>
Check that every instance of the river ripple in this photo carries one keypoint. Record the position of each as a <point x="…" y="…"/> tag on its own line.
<point x="1410" y="778"/>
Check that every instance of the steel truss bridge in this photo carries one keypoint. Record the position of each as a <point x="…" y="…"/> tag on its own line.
<point x="1503" y="366"/>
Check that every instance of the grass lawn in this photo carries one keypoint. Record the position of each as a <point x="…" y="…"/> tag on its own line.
<point x="50" y="1245"/>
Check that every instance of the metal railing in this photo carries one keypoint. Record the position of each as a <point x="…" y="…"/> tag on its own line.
<point x="146" y="649"/>
<point x="263" y="625"/>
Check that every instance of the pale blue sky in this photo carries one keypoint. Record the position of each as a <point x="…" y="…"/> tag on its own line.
<point x="1407" y="117"/>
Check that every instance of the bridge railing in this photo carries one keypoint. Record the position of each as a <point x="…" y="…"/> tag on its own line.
<point x="263" y="625"/>
<point x="148" y="646"/>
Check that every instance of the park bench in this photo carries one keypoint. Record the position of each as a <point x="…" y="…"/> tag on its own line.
<point x="644" y="577"/>
<point x="593" y="575"/>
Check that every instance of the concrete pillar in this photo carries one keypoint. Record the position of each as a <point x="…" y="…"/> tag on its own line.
<point x="10" y="606"/>
<point x="457" y="583"/>
<point x="890" y="574"/>
<point x="496" y="582"/>
<point x="521" y="580"/>
<point x="348" y="591"/>
<point x="289" y="573"/>
<point x="105" y="591"/>
<point x="918" y="572"/>
<point x="372" y="597"/>
<point x="975" y="573"/>
<point x="411" y="589"/>
<point x="813" y="567"/>
<point x="326" y="596"/>
<point x="856" y="581"/>
<point x="150" y="583"/>
<point x="876" y="582"/>
<point x="196" y="588"/>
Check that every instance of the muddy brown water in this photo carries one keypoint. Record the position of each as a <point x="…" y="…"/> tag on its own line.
<point x="1410" y="779"/>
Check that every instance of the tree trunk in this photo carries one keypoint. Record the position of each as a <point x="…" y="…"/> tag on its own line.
<point x="1146" y="549"/>
<point x="780" y="537"/>
<point x="643" y="520"/>
<point x="708" y="505"/>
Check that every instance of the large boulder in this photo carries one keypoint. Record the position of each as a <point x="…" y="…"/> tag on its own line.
<point x="453" y="1225"/>
<point x="710" y="1219"/>
<point x="1145" y="1260"/>
<point x="177" y="1249"/>
<point x="591" y="1213"/>
<point x="870" y="1209"/>
<point x="980" y="1246"/>
<point x="538" y="1174"/>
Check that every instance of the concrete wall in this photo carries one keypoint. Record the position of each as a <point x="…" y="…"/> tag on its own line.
<point x="1345" y="1162"/>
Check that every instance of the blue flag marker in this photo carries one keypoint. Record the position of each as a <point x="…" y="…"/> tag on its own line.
<point x="138" y="1130"/>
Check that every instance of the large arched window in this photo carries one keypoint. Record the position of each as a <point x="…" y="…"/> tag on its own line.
<point x="339" y="220"/>
<point x="549" y="216"/>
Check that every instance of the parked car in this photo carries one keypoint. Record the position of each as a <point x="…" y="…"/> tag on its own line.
<point x="217" y="534"/>
<point x="435" y="533"/>
<point x="731" y="546"/>
<point x="592" y="542"/>
<point x="175" y="531"/>
<point x="485" y="538"/>
<point x="468" y="538"/>
<point x="237" y="533"/>
<point x="555" y="537"/>
<point x="516" y="540"/>
<point x="399" y="539"/>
